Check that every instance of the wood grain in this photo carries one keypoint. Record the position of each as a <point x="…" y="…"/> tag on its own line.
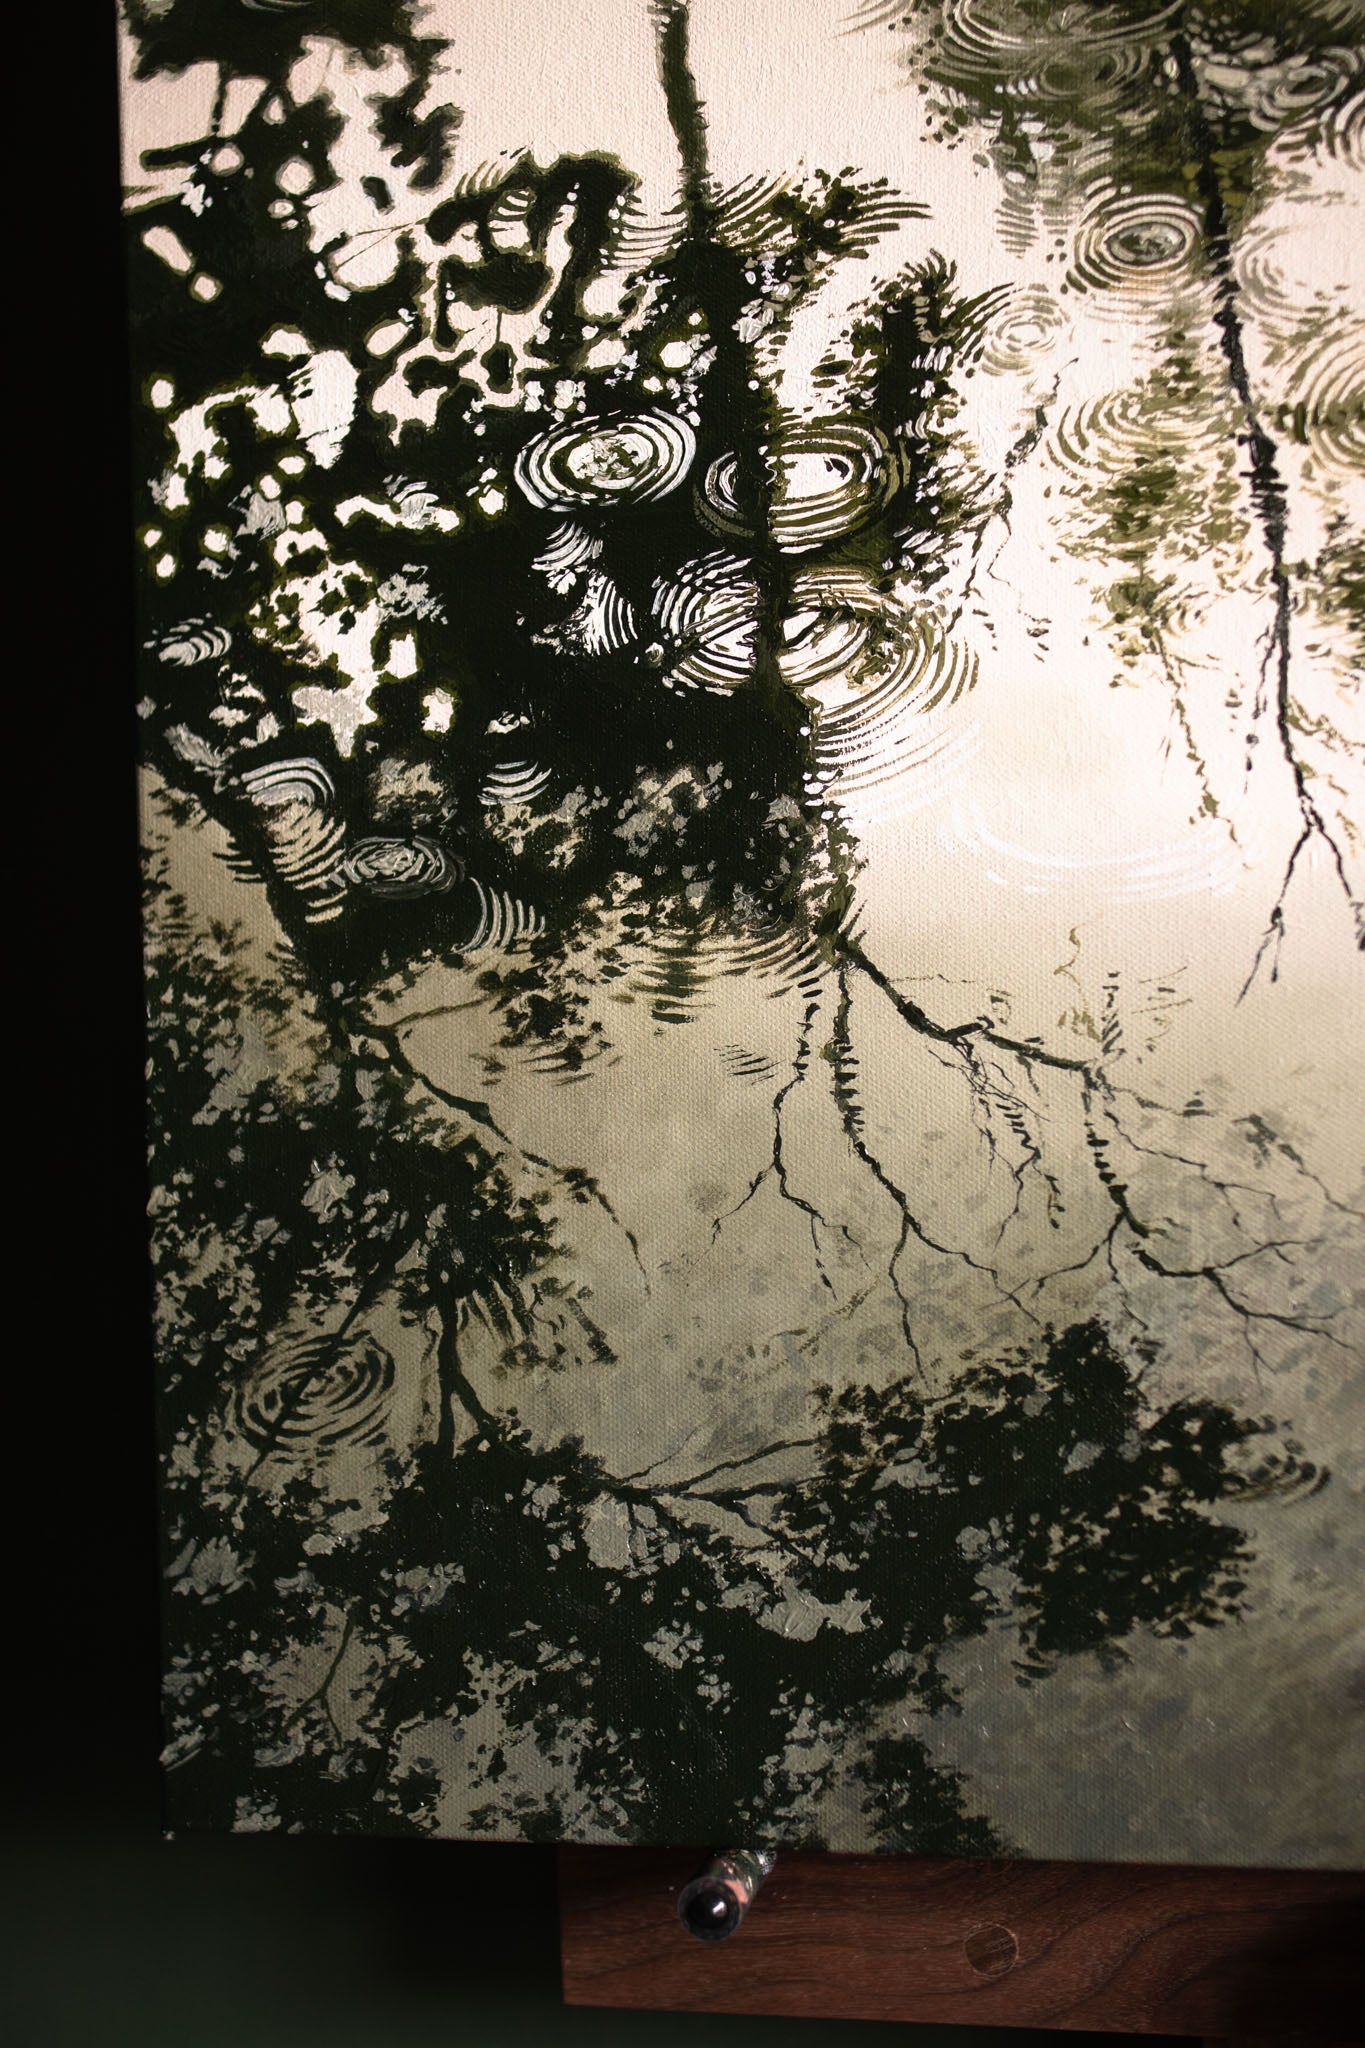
<point x="1103" y="1947"/>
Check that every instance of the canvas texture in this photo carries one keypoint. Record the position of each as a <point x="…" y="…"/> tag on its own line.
<point x="749" y="644"/>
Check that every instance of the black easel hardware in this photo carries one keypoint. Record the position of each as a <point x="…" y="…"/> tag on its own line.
<point x="716" y="1901"/>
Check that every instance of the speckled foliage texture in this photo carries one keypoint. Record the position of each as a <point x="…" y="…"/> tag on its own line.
<point x="750" y="632"/>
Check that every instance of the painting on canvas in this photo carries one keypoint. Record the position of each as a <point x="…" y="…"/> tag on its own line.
<point x="749" y="652"/>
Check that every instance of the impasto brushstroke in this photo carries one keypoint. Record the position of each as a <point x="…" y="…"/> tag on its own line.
<point x="750" y="644"/>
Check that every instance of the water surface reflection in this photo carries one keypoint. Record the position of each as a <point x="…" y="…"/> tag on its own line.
<point x="753" y="875"/>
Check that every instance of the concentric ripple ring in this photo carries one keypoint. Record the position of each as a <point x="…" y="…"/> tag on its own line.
<point x="318" y="1395"/>
<point x="600" y="465"/>
<point x="828" y="477"/>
